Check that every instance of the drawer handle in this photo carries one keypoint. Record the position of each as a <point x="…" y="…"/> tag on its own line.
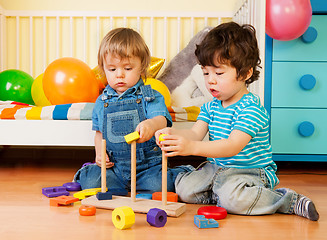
<point x="306" y="129"/>
<point x="307" y="82"/>
<point x="310" y="35"/>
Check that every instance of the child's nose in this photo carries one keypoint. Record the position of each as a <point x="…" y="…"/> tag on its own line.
<point x="119" y="73"/>
<point x="211" y="80"/>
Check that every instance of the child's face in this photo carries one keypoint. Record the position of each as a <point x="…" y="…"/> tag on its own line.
<point x="122" y="73"/>
<point x="223" y="84"/>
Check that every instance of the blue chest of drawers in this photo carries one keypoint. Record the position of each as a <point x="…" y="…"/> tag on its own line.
<point x="296" y="93"/>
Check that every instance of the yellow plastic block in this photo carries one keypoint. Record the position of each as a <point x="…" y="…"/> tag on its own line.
<point x="161" y="137"/>
<point x="86" y="193"/>
<point x="123" y="217"/>
<point x="132" y="137"/>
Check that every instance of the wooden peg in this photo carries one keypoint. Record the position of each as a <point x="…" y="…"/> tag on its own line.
<point x="131" y="139"/>
<point x="164" y="173"/>
<point x="133" y="171"/>
<point x="103" y="166"/>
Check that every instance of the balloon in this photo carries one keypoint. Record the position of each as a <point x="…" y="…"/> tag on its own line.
<point x="161" y="88"/>
<point x="15" y="85"/>
<point x="287" y="19"/>
<point x="38" y="95"/>
<point x="69" y="80"/>
<point x="155" y="66"/>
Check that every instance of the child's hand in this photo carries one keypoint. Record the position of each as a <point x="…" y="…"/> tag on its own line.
<point x="145" y="130"/>
<point x="108" y="163"/>
<point x="175" y="145"/>
<point x="166" y="131"/>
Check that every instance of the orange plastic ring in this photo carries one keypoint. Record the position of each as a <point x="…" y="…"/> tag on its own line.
<point x="87" y="210"/>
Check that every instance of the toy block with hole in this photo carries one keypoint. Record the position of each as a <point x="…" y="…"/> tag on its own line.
<point x="134" y="136"/>
<point x="144" y="196"/>
<point x="201" y="222"/>
<point x="123" y="217"/>
<point x="62" y="200"/>
<point x="104" y="195"/>
<point x="87" y="210"/>
<point x="214" y="212"/>
<point x="171" y="196"/>
<point x="86" y="193"/>
<point x="156" y="217"/>
<point x="161" y="137"/>
<point x="72" y="186"/>
<point x="55" y="191"/>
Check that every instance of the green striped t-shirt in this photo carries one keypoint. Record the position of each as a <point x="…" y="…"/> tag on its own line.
<point x="249" y="116"/>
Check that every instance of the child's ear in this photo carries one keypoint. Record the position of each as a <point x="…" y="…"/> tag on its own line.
<point x="249" y="74"/>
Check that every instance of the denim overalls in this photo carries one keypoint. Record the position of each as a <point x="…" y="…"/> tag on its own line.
<point x="121" y="118"/>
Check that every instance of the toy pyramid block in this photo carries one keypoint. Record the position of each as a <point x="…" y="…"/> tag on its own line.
<point x="171" y="196"/>
<point x="123" y="217"/>
<point x="201" y="222"/>
<point x="156" y="217"/>
<point x="86" y="193"/>
<point x="72" y="186"/>
<point x="55" y="191"/>
<point x="144" y="196"/>
<point x="104" y="195"/>
<point x="132" y="137"/>
<point x="62" y="200"/>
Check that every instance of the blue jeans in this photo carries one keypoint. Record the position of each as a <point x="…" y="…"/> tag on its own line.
<point x="147" y="180"/>
<point x="239" y="191"/>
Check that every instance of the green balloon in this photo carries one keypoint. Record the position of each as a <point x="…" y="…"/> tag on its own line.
<point x="15" y="85"/>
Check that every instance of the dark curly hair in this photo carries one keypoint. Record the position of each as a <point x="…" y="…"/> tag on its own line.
<point x="232" y="44"/>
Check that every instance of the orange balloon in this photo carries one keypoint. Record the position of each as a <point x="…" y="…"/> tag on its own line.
<point x="69" y="80"/>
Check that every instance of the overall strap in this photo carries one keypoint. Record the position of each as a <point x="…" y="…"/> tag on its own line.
<point x="148" y="93"/>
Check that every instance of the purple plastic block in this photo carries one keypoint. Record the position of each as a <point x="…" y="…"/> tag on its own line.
<point x="55" y="191"/>
<point x="156" y="217"/>
<point x="87" y="163"/>
<point x="72" y="186"/>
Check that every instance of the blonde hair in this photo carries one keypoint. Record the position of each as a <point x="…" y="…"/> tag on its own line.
<point x="125" y="43"/>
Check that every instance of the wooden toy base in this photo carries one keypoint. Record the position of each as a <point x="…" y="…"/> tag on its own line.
<point x="173" y="209"/>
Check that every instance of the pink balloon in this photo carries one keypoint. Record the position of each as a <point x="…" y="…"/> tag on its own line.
<point x="287" y="19"/>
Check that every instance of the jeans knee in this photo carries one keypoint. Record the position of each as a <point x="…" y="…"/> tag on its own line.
<point x="184" y="189"/>
<point x="88" y="177"/>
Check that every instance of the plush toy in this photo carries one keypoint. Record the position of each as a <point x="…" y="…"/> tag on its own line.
<point x="184" y="77"/>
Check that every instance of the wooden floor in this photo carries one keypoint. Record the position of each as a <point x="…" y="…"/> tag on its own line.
<point x="25" y="213"/>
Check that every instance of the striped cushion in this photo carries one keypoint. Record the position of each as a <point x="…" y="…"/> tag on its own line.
<point x="76" y="111"/>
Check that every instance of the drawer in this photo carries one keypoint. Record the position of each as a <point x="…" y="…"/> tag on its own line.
<point x="299" y="84"/>
<point x="299" y="131"/>
<point x="298" y="50"/>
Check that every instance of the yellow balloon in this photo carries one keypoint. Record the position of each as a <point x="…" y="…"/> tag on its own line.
<point x="38" y="95"/>
<point x="155" y="66"/>
<point x="161" y="88"/>
<point x="101" y="78"/>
